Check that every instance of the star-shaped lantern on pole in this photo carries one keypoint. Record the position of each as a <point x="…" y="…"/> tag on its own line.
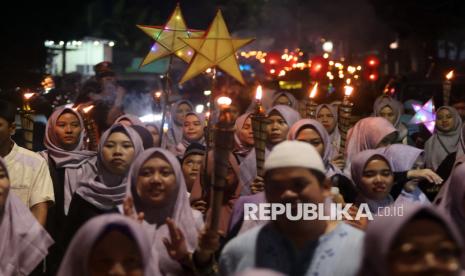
<point x="167" y="40"/>
<point x="215" y="49"/>
<point x="425" y="115"/>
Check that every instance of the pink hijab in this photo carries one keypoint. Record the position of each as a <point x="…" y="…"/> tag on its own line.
<point x="76" y="260"/>
<point x="367" y="134"/>
<point x="248" y="167"/>
<point x="178" y="208"/>
<point x="328" y="147"/>
<point x="382" y="232"/>
<point x="24" y="242"/>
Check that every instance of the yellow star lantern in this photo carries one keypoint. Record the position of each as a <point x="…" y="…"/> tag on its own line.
<point x="216" y="48"/>
<point x="167" y="40"/>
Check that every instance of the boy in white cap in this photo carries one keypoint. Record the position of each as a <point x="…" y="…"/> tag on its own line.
<point x="294" y="173"/>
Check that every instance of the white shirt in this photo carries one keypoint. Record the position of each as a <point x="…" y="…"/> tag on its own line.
<point x="29" y="176"/>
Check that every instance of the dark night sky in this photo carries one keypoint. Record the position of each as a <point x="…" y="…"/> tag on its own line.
<point x="25" y="25"/>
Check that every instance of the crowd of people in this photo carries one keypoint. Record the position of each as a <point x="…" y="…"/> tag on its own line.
<point x="141" y="204"/>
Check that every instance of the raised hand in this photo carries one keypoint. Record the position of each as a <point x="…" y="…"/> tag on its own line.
<point x="176" y="244"/>
<point x="129" y="211"/>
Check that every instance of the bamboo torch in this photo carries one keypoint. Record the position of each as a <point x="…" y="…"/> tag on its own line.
<point x="345" y="116"/>
<point x="91" y="128"/>
<point x="311" y="103"/>
<point x="446" y="87"/>
<point x="224" y="143"/>
<point x="259" y="123"/>
<point x="27" y="120"/>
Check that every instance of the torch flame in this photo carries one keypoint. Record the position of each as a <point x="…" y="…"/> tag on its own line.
<point x="158" y="94"/>
<point x="450" y="75"/>
<point x="348" y="90"/>
<point x="27" y="96"/>
<point x="224" y="101"/>
<point x="258" y="93"/>
<point x="87" y="109"/>
<point x="314" y="90"/>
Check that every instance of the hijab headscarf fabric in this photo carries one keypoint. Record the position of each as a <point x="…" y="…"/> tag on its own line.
<point x="403" y="157"/>
<point x="455" y="197"/>
<point x="335" y="136"/>
<point x="367" y="134"/>
<point x="232" y="192"/>
<point x="359" y="162"/>
<point x="181" y="147"/>
<point x="24" y="242"/>
<point x="248" y="167"/>
<point x="292" y="100"/>
<point x="76" y="260"/>
<point x="328" y="147"/>
<point x="108" y="190"/>
<point x="129" y="117"/>
<point x="175" y="131"/>
<point x="441" y="144"/>
<point x="178" y="209"/>
<point x="78" y="163"/>
<point x="383" y="101"/>
<point x="241" y="149"/>
<point x="461" y="147"/>
<point x="382" y="232"/>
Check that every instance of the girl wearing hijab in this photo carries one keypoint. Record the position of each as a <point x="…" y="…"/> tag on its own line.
<point x="312" y="132"/>
<point x="445" y="138"/>
<point x="243" y="136"/>
<point x="110" y="245"/>
<point x="177" y="113"/>
<point x="391" y="110"/>
<point x="423" y="241"/>
<point x="118" y="147"/>
<point x="372" y="173"/>
<point x="24" y="242"/>
<point x="157" y="188"/>
<point x="155" y="131"/>
<point x="68" y="163"/>
<point x="192" y="132"/>
<point x="285" y="98"/>
<point x="232" y="190"/>
<point x="326" y="114"/>
<point x="281" y="118"/>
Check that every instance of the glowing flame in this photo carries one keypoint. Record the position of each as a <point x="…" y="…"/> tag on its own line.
<point x="314" y="90"/>
<point x="27" y="96"/>
<point x="258" y="93"/>
<point x="87" y="109"/>
<point x="348" y="81"/>
<point x="348" y="90"/>
<point x="158" y="94"/>
<point x="450" y="75"/>
<point x="224" y="101"/>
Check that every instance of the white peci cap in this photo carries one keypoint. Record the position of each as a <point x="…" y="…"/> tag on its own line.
<point x="294" y="154"/>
